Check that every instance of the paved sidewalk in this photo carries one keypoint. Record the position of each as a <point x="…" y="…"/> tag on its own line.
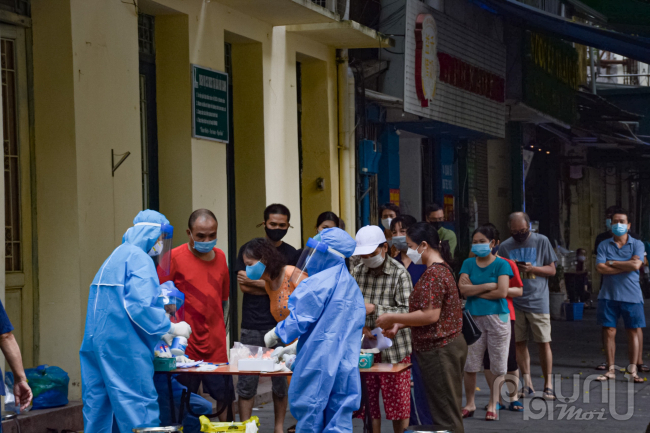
<point x="577" y="350"/>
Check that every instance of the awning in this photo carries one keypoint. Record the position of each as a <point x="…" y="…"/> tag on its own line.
<point x="343" y="34"/>
<point x="283" y="12"/>
<point x="528" y="17"/>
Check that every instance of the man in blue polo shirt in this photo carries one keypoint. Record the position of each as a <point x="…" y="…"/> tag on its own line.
<point x="619" y="260"/>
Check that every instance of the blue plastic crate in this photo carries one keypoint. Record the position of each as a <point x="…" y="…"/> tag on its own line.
<point x="573" y="311"/>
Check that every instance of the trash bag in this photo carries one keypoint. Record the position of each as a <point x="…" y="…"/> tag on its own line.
<point x="49" y="386"/>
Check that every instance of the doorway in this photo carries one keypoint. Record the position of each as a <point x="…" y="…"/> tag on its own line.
<point x="19" y="269"/>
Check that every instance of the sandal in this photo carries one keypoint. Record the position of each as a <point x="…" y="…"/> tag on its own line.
<point x="642" y="368"/>
<point x="549" y="394"/>
<point x="516" y="406"/>
<point x="468" y="413"/>
<point x="602" y="366"/>
<point x="635" y="376"/>
<point x="610" y="375"/>
<point x="490" y="416"/>
<point x="523" y="392"/>
<point x="291" y="429"/>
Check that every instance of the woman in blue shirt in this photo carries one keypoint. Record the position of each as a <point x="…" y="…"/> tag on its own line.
<point x="484" y="281"/>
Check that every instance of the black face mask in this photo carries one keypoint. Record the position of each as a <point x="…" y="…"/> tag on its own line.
<point x="436" y="224"/>
<point x="275" y="234"/>
<point x="521" y="236"/>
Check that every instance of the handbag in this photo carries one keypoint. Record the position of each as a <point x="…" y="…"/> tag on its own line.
<point x="470" y="329"/>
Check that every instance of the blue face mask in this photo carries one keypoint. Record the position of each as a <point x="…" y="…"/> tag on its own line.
<point x="608" y="223"/>
<point x="255" y="272"/>
<point x="204" y="247"/>
<point x="619" y="229"/>
<point x="481" y="250"/>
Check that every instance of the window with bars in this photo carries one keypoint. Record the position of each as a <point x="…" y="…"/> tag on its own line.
<point x="13" y="234"/>
<point x="20" y="7"/>
<point x="336" y="6"/>
<point x="146" y="42"/>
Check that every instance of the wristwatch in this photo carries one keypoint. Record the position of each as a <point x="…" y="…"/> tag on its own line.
<point x="610" y="262"/>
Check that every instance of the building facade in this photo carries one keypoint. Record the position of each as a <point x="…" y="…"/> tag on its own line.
<point x="107" y="111"/>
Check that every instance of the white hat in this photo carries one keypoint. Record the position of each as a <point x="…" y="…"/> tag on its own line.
<point x="368" y="238"/>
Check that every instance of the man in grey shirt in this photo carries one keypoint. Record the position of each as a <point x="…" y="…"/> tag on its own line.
<point x="536" y="261"/>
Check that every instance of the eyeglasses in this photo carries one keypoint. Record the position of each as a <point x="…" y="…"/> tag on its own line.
<point x="519" y="232"/>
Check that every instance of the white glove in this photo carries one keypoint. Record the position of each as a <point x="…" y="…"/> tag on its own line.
<point x="168" y="338"/>
<point x="180" y="329"/>
<point x="271" y="338"/>
<point x="183" y="360"/>
<point x="287" y="350"/>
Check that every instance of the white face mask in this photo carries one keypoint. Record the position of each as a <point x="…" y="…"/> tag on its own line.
<point x="373" y="262"/>
<point x="386" y="222"/>
<point x="156" y="250"/>
<point x="414" y="256"/>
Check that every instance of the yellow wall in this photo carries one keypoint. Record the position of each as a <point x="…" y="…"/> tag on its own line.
<point x="315" y="144"/>
<point x="174" y="109"/>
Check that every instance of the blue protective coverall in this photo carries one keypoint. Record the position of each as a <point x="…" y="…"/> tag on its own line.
<point x="327" y="314"/>
<point x="125" y="319"/>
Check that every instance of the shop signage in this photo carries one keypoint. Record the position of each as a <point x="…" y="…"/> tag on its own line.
<point x="468" y="77"/>
<point x="426" y="54"/>
<point x="210" y="116"/>
<point x="453" y="73"/>
<point x="550" y="76"/>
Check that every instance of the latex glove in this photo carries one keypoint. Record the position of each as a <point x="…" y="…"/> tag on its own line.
<point x="271" y="338"/>
<point x="168" y="338"/>
<point x="287" y="350"/>
<point x="183" y="360"/>
<point x="180" y="329"/>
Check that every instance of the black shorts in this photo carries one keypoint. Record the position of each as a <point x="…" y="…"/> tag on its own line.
<point x="512" y="352"/>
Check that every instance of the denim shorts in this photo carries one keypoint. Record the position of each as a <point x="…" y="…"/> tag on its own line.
<point x="609" y="311"/>
<point x="247" y="385"/>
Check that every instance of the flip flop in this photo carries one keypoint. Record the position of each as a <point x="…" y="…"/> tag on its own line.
<point x="523" y="392"/>
<point x="516" y="406"/>
<point x="549" y="394"/>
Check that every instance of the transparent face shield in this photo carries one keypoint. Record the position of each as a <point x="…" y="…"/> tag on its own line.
<point x="308" y="259"/>
<point x="161" y="252"/>
<point x="173" y="299"/>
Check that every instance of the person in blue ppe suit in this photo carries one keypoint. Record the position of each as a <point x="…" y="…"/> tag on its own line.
<point x="125" y="319"/>
<point x="327" y="314"/>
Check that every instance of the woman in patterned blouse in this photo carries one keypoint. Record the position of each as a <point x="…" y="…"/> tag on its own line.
<point x="436" y="321"/>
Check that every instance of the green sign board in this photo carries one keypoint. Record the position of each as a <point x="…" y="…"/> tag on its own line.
<point x="550" y="76"/>
<point x="210" y="116"/>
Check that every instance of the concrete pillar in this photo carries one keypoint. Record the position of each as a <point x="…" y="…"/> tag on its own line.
<point x="280" y="132"/>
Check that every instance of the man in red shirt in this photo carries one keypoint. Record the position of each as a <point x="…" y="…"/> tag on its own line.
<point x="199" y="270"/>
